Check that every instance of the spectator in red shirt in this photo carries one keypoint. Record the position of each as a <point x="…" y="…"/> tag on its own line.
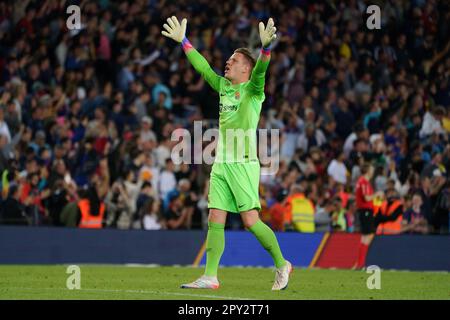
<point x="277" y="212"/>
<point x="364" y="204"/>
<point x="25" y="25"/>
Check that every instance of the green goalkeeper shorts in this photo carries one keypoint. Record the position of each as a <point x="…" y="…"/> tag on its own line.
<point x="234" y="187"/>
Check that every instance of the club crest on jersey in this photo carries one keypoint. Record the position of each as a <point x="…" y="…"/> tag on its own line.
<point x="237" y="95"/>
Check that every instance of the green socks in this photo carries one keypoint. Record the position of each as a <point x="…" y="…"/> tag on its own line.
<point x="268" y="240"/>
<point x="215" y="244"/>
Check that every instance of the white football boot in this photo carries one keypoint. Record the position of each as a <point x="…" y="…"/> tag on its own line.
<point x="282" y="276"/>
<point x="204" y="282"/>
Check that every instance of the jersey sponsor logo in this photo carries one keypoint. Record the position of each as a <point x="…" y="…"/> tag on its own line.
<point x="225" y="108"/>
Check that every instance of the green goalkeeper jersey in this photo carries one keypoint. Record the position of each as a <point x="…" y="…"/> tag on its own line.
<point x="239" y="110"/>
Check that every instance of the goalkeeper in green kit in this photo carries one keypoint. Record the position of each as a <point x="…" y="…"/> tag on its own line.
<point x="235" y="173"/>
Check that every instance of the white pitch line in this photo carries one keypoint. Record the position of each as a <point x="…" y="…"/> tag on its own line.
<point x="139" y="291"/>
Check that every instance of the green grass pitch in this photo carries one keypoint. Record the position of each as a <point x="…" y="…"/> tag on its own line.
<point x="154" y="283"/>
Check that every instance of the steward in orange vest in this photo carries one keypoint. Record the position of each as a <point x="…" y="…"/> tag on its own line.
<point x="87" y="206"/>
<point x="389" y="216"/>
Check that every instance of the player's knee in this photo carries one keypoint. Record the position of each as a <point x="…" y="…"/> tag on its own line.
<point x="247" y="225"/>
<point x="249" y="218"/>
<point x="249" y="221"/>
<point x="217" y="216"/>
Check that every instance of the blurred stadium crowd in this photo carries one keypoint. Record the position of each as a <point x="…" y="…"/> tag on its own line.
<point x="88" y="114"/>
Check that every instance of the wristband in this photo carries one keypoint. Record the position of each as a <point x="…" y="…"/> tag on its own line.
<point x="265" y="51"/>
<point x="186" y="44"/>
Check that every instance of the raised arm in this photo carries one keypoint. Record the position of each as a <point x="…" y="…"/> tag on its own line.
<point x="257" y="78"/>
<point x="201" y="65"/>
<point x="177" y="32"/>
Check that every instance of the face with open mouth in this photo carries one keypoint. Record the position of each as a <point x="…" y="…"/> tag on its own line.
<point x="230" y="65"/>
<point x="236" y="67"/>
<point x="227" y="70"/>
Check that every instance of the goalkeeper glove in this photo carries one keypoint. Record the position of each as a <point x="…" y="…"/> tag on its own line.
<point x="174" y="30"/>
<point x="267" y="34"/>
